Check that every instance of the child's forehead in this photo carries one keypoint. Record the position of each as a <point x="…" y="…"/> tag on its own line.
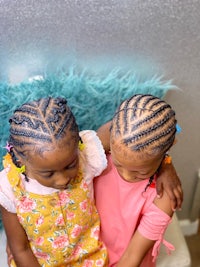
<point x="52" y="156"/>
<point x="118" y="147"/>
<point x="134" y="160"/>
<point x="40" y="147"/>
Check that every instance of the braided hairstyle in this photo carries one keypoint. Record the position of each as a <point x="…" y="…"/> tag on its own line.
<point x="44" y="121"/>
<point x="145" y="123"/>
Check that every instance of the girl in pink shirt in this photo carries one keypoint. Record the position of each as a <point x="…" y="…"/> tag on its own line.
<point x="133" y="218"/>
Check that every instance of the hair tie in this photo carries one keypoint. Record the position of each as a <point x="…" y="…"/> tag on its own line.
<point x="21" y="169"/>
<point x="178" y="128"/>
<point x="167" y="159"/>
<point x="81" y="146"/>
<point x="8" y="147"/>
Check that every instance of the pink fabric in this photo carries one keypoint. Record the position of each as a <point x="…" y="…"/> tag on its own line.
<point x="124" y="207"/>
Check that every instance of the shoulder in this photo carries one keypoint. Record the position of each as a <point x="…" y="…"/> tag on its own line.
<point x="164" y="204"/>
<point x="156" y="216"/>
<point x="93" y="157"/>
<point x="159" y="206"/>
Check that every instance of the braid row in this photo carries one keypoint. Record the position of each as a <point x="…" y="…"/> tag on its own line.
<point x="145" y="121"/>
<point x="150" y="129"/>
<point x="45" y="120"/>
<point x="152" y="115"/>
<point x="147" y="142"/>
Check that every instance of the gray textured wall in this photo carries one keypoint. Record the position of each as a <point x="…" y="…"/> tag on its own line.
<point x="153" y="36"/>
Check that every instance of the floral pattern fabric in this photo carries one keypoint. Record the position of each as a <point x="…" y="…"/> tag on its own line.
<point x="62" y="227"/>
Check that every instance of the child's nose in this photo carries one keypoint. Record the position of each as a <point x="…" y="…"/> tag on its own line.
<point x="62" y="179"/>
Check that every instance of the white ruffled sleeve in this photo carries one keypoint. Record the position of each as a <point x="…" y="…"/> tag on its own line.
<point x="93" y="158"/>
<point x="7" y="199"/>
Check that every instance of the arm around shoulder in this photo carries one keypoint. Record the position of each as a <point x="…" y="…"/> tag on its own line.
<point x="169" y="182"/>
<point x="103" y="133"/>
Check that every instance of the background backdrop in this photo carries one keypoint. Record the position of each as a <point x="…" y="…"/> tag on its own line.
<point x="150" y="36"/>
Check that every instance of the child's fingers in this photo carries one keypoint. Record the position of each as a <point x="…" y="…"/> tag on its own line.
<point x="173" y="201"/>
<point x="9" y="255"/>
<point x="179" y="197"/>
<point x="175" y="195"/>
<point x="159" y="188"/>
<point x="9" y="259"/>
<point x="176" y="198"/>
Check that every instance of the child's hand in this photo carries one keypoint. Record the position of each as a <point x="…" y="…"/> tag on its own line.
<point x="169" y="181"/>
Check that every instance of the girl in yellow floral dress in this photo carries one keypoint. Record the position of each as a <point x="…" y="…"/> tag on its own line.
<point x="46" y="195"/>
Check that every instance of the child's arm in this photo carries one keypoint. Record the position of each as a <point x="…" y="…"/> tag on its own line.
<point x="103" y="133"/>
<point x="136" y="250"/>
<point x="17" y="240"/>
<point x="139" y="245"/>
<point x="167" y="179"/>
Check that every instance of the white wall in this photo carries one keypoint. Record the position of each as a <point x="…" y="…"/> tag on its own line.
<point x="153" y="36"/>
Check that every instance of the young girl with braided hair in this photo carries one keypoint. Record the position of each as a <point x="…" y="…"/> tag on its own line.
<point x="46" y="193"/>
<point x="133" y="219"/>
<point x="45" y="188"/>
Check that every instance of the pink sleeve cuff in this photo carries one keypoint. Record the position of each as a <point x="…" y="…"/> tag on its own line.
<point x="156" y="248"/>
<point x="152" y="226"/>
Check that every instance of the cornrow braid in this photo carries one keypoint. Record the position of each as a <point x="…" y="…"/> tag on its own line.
<point x="44" y="120"/>
<point x="145" y="122"/>
<point x="17" y="164"/>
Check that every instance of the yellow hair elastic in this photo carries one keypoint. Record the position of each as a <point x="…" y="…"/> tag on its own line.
<point x="81" y="146"/>
<point x="22" y="169"/>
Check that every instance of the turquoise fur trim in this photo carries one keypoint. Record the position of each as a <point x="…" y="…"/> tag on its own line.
<point x="93" y="98"/>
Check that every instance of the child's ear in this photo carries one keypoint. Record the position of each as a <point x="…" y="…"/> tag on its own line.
<point x="18" y="158"/>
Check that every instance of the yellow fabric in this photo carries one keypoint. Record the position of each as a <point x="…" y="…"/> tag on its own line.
<point x="63" y="228"/>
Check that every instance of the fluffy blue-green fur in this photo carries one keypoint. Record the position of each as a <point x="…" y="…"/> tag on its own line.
<point x="93" y="98"/>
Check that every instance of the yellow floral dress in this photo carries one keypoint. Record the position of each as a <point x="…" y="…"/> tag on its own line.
<point x="62" y="227"/>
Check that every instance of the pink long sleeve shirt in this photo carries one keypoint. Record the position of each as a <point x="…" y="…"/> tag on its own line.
<point x="125" y="207"/>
